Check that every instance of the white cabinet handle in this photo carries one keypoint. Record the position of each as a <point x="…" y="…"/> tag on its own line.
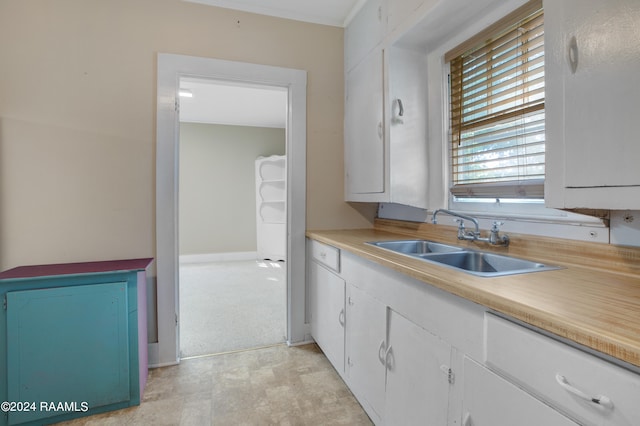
<point x="598" y="399"/>
<point x="341" y="318"/>
<point x="380" y="129"/>
<point x="573" y="54"/>
<point x="466" y="420"/>
<point x="400" y="108"/>
<point x="381" y="349"/>
<point x="387" y="354"/>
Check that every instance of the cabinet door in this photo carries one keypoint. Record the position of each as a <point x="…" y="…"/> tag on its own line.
<point x="407" y="109"/>
<point x="67" y="344"/>
<point x="367" y="343"/>
<point x="364" y="130"/>
<point x="593" y="64"/>
<point x="417" y="374"/>
<point x="601" y="96"/>
<point x="364" y="32"/>
<point x="490" y="400"/>
<point x="328" y="313"/>
<point x="399" y="10"/>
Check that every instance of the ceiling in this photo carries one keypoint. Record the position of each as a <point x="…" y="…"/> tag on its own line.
<point x="232" y="104"/>
<point x="242" y="105"/>
<point x="327" y="12"/>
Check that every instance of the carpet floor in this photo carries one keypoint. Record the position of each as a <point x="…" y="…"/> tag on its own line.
<point x="234" y="305"/>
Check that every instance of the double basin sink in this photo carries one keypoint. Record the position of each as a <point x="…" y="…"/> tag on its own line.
<point x="474" y="262"/>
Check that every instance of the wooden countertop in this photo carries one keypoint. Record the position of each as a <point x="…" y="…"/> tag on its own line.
<point x="588" y="304"/>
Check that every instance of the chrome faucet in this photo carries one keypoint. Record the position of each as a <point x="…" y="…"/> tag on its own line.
<point x="494" y="237"/>
<point x="462" y="235"/>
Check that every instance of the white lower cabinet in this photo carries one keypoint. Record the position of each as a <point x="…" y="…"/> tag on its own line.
<point x="398" y="371"/>
<point x="366" y="344"/>
<point x="327" y="313"/>
<point x="418" y="374"/>
<point x="416" y="355"/>
<point x="587" y="388"/>
<point x="490" y="400"/>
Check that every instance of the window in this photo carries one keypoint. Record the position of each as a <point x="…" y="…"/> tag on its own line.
<point x="497" y="109"/>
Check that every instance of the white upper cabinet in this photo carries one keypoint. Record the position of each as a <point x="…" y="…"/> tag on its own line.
<point x="364" y="148"/>
<point x="364" y="32"/>
<point x="592" y="110"/>
<point x="385" y="128"/>
<point x="407" y="112"/>
<point x="400" y="10"/>
<point x="592" y="73"/>
<point x="385" y="114"/>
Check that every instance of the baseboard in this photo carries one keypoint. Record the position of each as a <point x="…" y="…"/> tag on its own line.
<point x="153" y="350"/>
<point x="301" y="343"/>
<point x="217" y="257"/>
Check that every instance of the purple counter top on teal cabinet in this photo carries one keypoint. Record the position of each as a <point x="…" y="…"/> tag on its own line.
<point x="33" y="271"/>
<point x="73" y="331"/>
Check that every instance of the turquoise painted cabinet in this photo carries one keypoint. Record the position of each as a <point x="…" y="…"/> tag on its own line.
<point x="72" y="340"/>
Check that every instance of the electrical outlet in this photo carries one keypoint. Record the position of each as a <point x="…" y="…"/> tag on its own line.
<point x="625" y="227"/>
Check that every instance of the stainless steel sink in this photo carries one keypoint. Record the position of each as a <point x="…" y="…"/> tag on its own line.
<point x="488" y="264"/>
<point x="474" y="262"/>
<point x="415" y="247"/>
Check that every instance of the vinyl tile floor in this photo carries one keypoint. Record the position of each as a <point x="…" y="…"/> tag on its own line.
<point x="276" y="385"/>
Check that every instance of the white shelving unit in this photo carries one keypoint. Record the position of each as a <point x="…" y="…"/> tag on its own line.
<point x="271" y="207"/>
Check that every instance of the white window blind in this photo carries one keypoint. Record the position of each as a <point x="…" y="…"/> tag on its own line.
<point x="497" y="109"/>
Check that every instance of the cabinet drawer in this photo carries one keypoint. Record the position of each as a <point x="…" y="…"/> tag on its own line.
<point x="489" y="400"/>
<point x="327" y="255"/>
<point x="563" y="376"/>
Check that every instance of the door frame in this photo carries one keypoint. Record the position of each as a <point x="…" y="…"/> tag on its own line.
<point x="171" y="68"/>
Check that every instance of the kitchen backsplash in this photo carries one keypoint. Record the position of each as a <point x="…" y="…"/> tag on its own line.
<point x="624" y="226"/>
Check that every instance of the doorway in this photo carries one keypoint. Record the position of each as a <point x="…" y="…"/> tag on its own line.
<point x="170" y="69"/>
<point x="232" y="292"/>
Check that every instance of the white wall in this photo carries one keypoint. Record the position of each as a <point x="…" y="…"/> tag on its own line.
<point x="78" y="112"/>
<point x="217" y="185"/>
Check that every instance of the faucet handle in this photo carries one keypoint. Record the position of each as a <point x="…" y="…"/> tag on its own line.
<point x="461" y="229"/>
<point x="496" y="224"/>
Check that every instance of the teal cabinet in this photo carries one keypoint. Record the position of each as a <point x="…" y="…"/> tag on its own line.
<point x="72" y="340"/>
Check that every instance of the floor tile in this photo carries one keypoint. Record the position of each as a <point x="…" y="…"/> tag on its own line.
<point x="278" y="385"/>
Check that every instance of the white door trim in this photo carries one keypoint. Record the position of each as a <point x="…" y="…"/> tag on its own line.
<point x="170" y="69"/>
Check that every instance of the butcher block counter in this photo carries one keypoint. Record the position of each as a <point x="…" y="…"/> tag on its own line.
<point x="594" y="300"/>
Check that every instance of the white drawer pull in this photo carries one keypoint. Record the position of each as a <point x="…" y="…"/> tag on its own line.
<point x="598" y="399"/>
<point x="341" y="318"/>
<point x="383" y="347"/>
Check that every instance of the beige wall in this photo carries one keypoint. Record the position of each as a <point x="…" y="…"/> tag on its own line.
<point x="77" y="117"/>
<point x="217" y="185"/>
